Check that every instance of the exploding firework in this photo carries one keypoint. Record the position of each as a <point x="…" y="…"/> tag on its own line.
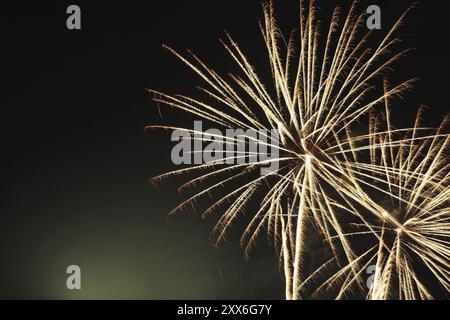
<point x="323" y="82"/>
<point x="414" y="237"/>
<point x="408" y="212"/>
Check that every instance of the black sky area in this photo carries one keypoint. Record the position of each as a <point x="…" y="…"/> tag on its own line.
<point x="76" y="160"/>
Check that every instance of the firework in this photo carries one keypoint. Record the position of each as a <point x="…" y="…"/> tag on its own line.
<point x="323" y="81"/>
<point x="408" y="211"/>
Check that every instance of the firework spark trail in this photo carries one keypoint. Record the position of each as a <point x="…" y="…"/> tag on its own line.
<point x="315" y="98"/>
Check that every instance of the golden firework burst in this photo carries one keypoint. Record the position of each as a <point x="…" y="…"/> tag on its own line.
<point x="323" y="82"/>
<point x="407" y="211"/>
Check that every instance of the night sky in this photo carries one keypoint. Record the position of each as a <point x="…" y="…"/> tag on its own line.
<point x="76" y="159"/>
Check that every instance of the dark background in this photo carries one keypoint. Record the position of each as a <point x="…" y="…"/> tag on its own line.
<point x="76" y="160"/>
